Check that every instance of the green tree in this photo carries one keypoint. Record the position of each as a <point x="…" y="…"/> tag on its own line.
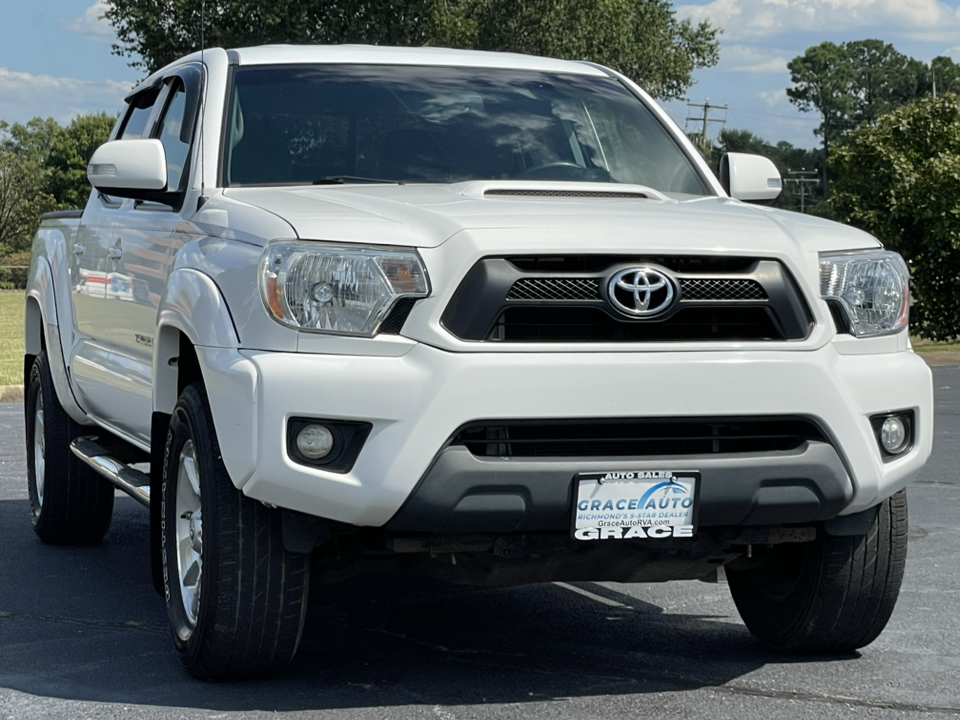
<point x="854" y="83"/>
<point x="945" y="72"/>
<point x="69" y="154"/>
<point x="22" y="196"/>
<point x="822" y="77"/>
<point x="641" y="38"/>
<point x="32" y="139"/>
<point x="882" y="79"/>
<point x="43" y="167"/>
<point x="900" y="181"/>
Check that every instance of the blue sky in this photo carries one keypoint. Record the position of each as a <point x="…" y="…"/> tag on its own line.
<point x="55" y="57"/>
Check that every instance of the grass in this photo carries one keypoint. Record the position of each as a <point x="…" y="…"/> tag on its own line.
<point x="11" y="337"/>
<point x="932" y="346"/>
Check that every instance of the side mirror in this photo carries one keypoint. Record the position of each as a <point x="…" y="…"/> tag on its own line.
<point x="750" y="177"/>
<point x="129" y="168"/>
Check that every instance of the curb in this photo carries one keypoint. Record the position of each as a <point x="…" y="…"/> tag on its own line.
<point x="11" y="393"/>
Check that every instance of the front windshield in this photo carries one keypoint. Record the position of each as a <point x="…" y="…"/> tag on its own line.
<point x="367" y="123"/>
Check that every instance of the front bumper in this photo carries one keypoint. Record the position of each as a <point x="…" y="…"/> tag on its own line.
<point x="415" y="402"/>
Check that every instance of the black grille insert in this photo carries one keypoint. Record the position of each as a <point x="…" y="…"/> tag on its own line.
<point x="564" y="299"/>
<point x="671" y="437"/>
<point x="578" y="324"/>
<point x="393" y="323"/>
<point x="722" y="289"/>
<point x="558" y="289"/>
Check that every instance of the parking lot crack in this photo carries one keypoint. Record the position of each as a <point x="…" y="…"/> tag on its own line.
<point x="115" y="625"/>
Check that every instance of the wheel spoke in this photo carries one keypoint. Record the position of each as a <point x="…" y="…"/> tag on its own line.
<point x="189" y="533"/>
<point x="192" y="577"/>
<point x="190" y="466"/>
<point x="39" y="449"/>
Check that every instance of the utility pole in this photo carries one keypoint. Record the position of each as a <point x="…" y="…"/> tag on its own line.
<point x="802" y="178"/>
<point x="706" y="119"/>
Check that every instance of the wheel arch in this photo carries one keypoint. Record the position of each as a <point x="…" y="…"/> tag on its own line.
<point x="192" y="312"/>
<point x="46" y="313"/>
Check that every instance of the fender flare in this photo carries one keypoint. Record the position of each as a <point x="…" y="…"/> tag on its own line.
<point x="50" y="312"/>
<point x="193" y="305"/>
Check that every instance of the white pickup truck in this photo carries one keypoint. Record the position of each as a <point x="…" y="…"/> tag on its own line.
<point x="486" y="316"/>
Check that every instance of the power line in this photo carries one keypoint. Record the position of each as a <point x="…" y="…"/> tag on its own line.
<point x="706" y="119"/>
<point x="803" y="178"/>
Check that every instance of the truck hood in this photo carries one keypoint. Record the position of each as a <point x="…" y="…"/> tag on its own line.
<point x="426" y="215"/>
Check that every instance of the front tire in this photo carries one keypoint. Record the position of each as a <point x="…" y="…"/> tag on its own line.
<point x="69" y="503"/>
<point x="834" y="595"/>
<point x="236" y="598"/>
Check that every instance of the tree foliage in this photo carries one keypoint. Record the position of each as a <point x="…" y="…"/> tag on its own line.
<point x="69" y="154"/>
<point x="641" y="38"/>
<point x="857" y="82"/>
<point x="43" y="167"/>
<point x="901" y="182"/>
<point x="22" y="199"/>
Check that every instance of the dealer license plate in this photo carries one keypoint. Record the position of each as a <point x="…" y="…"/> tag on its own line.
<point x="629" y="504"/>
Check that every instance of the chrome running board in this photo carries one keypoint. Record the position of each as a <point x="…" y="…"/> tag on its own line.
<point x="133" y="482"/>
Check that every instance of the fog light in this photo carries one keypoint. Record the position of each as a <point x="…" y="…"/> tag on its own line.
<point x="315" y="441"/>
<point x="893" y="434"/>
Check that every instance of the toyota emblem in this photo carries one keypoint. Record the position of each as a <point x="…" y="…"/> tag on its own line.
<point x="641" y="292"/>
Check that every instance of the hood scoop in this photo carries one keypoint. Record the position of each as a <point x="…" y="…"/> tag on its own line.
<point x="558" y="193"/>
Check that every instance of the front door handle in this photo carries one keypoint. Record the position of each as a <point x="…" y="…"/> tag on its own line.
<point x="114" y="253"/>
<point x="77" y="249"/>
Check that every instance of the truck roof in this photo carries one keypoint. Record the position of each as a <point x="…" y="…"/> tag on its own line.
<point x="380" y="55"/>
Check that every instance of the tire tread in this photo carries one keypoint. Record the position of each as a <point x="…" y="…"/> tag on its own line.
<point x="78" y="503"/>
<point x="846" y="594"/>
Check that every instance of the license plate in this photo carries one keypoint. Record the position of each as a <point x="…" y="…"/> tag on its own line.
<point x="622" y="505"/>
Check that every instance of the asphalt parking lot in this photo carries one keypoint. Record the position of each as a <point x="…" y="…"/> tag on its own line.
<point x="83" y="635"/>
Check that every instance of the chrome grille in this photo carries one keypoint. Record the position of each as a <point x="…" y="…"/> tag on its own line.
<point x="721" y="289"/>
<point x="555" y="289"/>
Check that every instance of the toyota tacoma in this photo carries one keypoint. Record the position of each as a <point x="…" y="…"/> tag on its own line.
<point x="484" y="316"/>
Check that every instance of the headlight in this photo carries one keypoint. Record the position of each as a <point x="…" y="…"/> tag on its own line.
<point x="872" y="287"/>
<point x="337" y="289"/>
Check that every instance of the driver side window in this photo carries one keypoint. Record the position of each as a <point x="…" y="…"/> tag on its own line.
<point x="170" y="131"/>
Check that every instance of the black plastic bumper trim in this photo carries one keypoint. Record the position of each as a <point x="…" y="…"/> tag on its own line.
<point x="465" y="494"/>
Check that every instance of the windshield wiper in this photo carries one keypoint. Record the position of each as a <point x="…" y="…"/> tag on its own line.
<point x="344" y="179"/>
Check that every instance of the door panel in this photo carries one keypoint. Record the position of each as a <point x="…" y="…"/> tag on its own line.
<point x="148" y="251"/>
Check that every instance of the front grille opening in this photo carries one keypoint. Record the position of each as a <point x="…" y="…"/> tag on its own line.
<point x="601" y="263"/>
<point x="555" y="289"/>
<point x="393" y="323"/>
<point x="579" y="324"/>
<point x="840" y="319"/>
<point x="722" y="289"/>
<point x="637" y="437"/>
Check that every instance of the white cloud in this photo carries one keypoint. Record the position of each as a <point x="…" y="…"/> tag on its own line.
<point x="92" y="24"/>
<point x="774" y="97"/>
<point x="23" y="96"/>
<point x="743" y="19"/>
<point x="744" y="59"/>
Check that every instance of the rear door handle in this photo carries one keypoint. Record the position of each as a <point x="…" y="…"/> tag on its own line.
<point x="114" y="253"/>
<point x="77" y="249"/>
